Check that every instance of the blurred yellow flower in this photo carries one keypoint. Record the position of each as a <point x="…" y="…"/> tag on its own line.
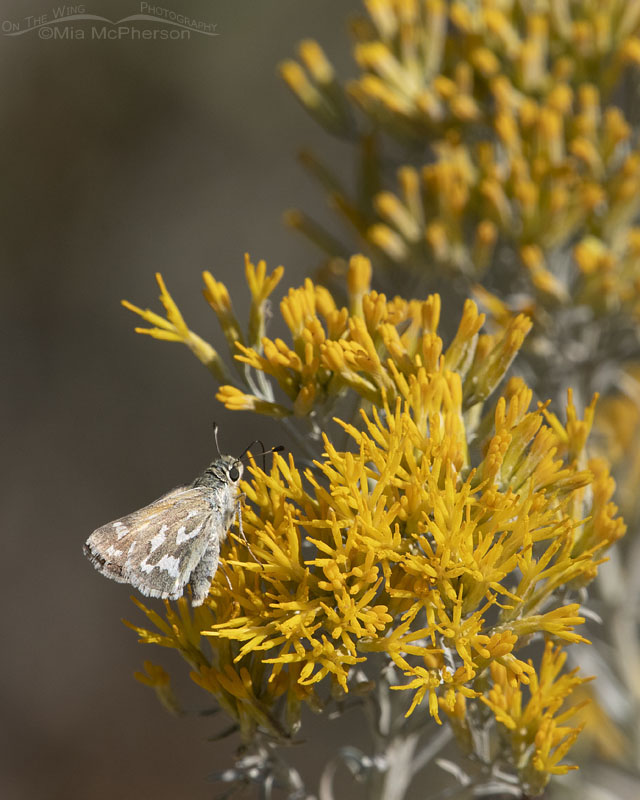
<point x="530" y="161"/>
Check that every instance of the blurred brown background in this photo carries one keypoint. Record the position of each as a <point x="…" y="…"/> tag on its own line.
<point x="121" y="158"/>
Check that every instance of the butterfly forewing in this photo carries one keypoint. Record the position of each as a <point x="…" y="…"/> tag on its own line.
<point x="176" y="539"/>
<point x="156" y="548"/>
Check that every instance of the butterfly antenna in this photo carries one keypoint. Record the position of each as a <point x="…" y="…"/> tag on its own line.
<point x="278" y="449"/>
<point x="248" y="447"/>
<point x="215" y="437"/>
<point x="264" y="453"/>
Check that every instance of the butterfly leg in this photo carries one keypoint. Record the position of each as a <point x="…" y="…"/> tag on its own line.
<point x="238" y="517"/>
<point x="202" y="575"/>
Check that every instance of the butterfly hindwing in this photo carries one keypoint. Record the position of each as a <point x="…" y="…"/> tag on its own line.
<point x="157" y="548"/>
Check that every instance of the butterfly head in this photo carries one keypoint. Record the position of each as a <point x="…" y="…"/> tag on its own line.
<point x="227" y="469"/>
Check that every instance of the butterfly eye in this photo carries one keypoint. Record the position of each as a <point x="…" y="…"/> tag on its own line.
<point x="234" y="474"/>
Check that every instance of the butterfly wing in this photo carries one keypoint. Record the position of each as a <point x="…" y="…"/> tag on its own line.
<point x="156" y="548"/>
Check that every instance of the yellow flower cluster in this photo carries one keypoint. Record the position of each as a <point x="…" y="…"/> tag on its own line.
<point x="537" y="719"/>
<point x="618" y="440"/>
<point x="430" y="64"/>
<point x="372" y="348"/>
<point x="446" y="536"/>
<point x="527" y="150"/>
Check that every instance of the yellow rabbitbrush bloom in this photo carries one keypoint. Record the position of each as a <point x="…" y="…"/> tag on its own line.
<point x="519" y="162"/>
<point x="538" y="720"/>
<point x="371" y="350"/>
<point x="444" y="537"/>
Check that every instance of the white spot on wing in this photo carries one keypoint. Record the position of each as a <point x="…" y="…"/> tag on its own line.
<point x="158" y="539"/>
<point x="183" y="535"/>
<point x="169" y="564"/>
<point x="112" y="552"/>
<point x="120" y="528"/>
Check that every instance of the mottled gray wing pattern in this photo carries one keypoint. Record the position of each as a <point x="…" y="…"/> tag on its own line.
<point x="157" y="548"/>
